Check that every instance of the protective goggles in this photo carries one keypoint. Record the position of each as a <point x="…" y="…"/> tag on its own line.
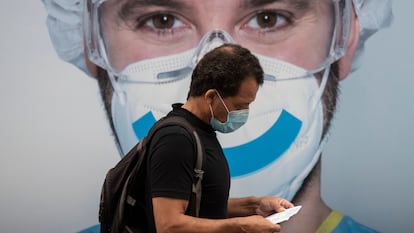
<point x="311" y="34"/>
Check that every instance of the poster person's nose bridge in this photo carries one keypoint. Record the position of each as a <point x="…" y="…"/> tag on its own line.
<point x="210" y="41"/>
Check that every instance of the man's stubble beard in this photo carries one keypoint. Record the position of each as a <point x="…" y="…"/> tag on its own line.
<point x="330" y="97"/>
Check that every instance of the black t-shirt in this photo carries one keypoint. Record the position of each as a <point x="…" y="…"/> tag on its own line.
<point x="171" y="167"/>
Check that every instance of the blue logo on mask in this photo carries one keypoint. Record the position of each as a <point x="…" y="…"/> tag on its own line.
<point x="254" y="155"/>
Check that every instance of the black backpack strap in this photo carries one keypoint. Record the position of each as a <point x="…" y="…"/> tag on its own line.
<point x="196" y="189"/>
<point x="198" y="177"/>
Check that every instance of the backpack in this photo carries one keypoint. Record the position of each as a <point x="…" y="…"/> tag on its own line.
<point x="122" y="203"/>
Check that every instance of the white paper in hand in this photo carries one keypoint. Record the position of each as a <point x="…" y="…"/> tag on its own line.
<point x="283" y="216"/>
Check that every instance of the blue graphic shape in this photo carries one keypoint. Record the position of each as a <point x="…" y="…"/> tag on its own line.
<point x="143" y="125"/>
<point x="254" y="155"/>
<point x="260" y="152"/>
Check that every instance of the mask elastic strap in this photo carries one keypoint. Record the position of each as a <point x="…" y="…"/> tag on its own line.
<point x="297" y="182"/>
<point x="117" y="88"/>
<point x="318" y="96"/>
<point x="222" y="101"/>
<point x="211" y="111"/>
<point x="327" y="70"/>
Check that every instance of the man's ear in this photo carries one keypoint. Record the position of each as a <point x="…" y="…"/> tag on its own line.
<point x="345" y="63"/>
<point x="210" y="95"/>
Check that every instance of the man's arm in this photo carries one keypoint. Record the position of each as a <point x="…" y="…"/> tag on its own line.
<point x="245" y="206"/>
<point x="169" y="216"/>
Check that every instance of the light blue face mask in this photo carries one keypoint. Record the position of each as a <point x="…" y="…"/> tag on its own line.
<point x="235" y="119"/>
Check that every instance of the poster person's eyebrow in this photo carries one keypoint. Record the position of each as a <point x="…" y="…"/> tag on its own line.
<point x="295" y="4"/>
<point x="179" y="4"/>
<point x="129" y="9"/>
<point x="173" y="4"/>
<point x="136" y="7"/>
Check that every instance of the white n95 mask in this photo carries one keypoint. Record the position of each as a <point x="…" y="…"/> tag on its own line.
<point x="271" y="154"/>
<point x="280" y="143"/>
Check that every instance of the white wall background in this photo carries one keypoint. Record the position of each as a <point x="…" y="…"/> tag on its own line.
<point x="55" y="145"/>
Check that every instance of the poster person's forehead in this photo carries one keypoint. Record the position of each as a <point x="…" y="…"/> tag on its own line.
<point x="189" y="4"/>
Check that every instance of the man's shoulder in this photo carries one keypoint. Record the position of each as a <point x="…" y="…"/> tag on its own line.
<point x="174" y="124"/>
<point x="173" y="132"/>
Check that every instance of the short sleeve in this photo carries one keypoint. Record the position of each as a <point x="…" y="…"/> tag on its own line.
<point x="171" y="163"/>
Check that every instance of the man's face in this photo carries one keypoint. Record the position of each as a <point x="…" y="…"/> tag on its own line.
<point x="246" y="95"/>
<point x="295" y="31"/>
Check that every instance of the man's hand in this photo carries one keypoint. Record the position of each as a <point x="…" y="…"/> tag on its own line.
<point x="269" y="205"/>
<point x="257" y="224"/>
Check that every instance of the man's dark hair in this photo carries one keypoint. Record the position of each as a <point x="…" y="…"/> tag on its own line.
<point x="224" y="69"/>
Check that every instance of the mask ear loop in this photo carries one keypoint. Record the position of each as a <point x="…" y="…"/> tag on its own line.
<point x="319" y="94"/>
<point x="120" y="94"/>
<point x="222" y="101"/>
<point x="325" y="76"/>
<point x="298" y="180"/>
<point x="211" y="110"/>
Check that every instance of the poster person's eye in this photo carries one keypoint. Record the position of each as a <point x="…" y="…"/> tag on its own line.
<point x="268" y="20"/>
<point x="163" y="21"/>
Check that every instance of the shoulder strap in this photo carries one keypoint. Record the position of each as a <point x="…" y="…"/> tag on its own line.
<point x="198" y="177"/>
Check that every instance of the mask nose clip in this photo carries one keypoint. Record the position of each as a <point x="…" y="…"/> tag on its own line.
<point x="210" y="41"/>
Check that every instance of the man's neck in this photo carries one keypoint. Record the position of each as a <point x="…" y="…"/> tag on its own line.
<point x="198" y="107"/>
<point x="314" y="210"/>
